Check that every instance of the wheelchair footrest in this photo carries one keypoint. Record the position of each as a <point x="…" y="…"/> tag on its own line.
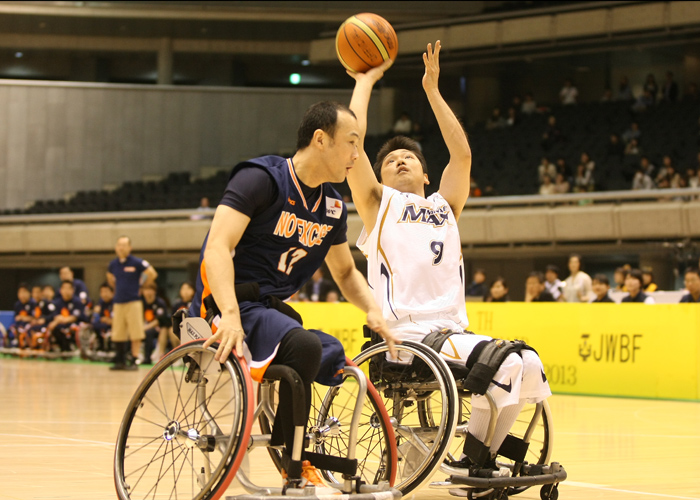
<point x="335" y="464"/>
<point x="387" y="494"/>
<point x="532" y="475"/>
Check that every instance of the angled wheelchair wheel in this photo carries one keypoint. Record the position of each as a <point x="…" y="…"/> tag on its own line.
<point x="421" y="398"/>
<point x="332" y="411"/>
<point x="186" y="429"/>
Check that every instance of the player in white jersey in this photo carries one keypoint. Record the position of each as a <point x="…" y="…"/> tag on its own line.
<point x="414" y="251"/>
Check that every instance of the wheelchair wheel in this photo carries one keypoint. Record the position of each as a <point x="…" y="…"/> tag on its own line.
<point x="421" y="397"/>
<point x="376" y="446"/>
<point x="187" y="427"/>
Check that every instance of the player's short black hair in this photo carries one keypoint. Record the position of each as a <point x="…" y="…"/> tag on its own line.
<point x="601" y="278"/>
<point x="106" y="285"/>
<point x="636" y="274"/>
<point x="23" y="285"/>
<point x="554" y="268"/>
<point x="502" y="280"/>
<point x="322" y="115"/>
<point x="538" y="275"/>
<point x="398" y="142"/>
<point x="67" y="282"/>
<point x="693" y="270"/>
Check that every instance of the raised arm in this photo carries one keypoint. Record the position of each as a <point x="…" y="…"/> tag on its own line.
<point x="454" y="185"/>
<point x="366" y="190"/>
<point x="226" y="231"/>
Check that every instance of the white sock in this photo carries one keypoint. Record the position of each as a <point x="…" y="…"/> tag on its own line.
<point x="479" y="423"/>
<point x="505" y="421"/>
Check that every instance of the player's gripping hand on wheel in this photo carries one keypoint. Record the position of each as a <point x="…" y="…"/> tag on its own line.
<point x="375" y="321"/>
<point x="230" y="336"/>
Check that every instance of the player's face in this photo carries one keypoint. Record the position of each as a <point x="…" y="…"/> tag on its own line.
<point x="403" y="171"/>
<point x="149" y="294"/>
<point x="106" y="294"/>
<point x="23" y="294"/>
<point x="600" y="289"/>
<point x="66" y="291"/>
<point x="692" y="283"/>
<point x="186" y="293"/>
<point x="343" y="147"/>
<point x="574" y="265"/>
<point x="633" y="285"/>
<point x="550" y="276"/>
<point x="48" y="293"/>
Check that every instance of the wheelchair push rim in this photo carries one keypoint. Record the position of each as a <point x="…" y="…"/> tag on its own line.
<point x="186" y="429"/>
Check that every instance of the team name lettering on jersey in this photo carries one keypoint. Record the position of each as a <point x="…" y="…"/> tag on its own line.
<point x="310" y="233"/>
<point x="425" y="215"/>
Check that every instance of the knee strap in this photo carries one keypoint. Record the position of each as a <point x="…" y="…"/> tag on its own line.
<point x="486" y="359"/>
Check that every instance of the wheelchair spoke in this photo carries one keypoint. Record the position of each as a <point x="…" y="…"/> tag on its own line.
<point x="162" y="398"/>
<point x="142" y="447"/>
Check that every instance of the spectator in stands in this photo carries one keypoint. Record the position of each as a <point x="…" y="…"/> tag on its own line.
<point x="647" y="166"/>
<point x="23" y="317"/>
<point x="643" y="102"/>
<point x="547" y="186"/>
<point x="155" y="317"/>
<point x="569" y="93"/>
<point x="620" y="276"/>
<point x="561" y="185"/>
<point x="583" y="182"/>
<point x="552" y="134"/>
<point x="102" y="317"/>
<point x="577" y="287"/>
<point x="332" y="296"/>
<point x="669" y="91"/>
<point x="535" y="290"/>
<point x="633" y="282"/>
<point x="632" y="148"/>
<point x="495" y="121"/>
<point x="667" y="175"/>
<point x="601" y="287"/>
<point x="642" y="180"/>
<point x="624" y="91"/>
<point x="590" y="164"/>
<point x="317" y="288"/>
<point x="125" y="274"/>
<point x="477" y="288"/>
<point x="563" y="169"/>
<point x="498" y="291"/>
<point x="692" y="178"/>
<point x="692" y="284"/>
<point x="529" y="105"/>
<point x="404" y="125"/>
<point x="651" y="87"/>
<point x="615" y="148"/>
<point x="512" y="118"/>
<point x="474" y="189"/>
<point x="607" y="95"/>
<point x="648" y="284"/>
<point x="546" y="168"/>
<point x="81" y="291"/>
<point x="691" y="94"/>
<point x="184" y="301"/>
<point x="203" y="207"/>
<point x="632" y="132"/>
<point x="552" y="282"/>
<point x="69" y="312"/>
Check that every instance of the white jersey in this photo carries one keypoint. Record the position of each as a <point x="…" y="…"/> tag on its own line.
<point x="414" y="263"/>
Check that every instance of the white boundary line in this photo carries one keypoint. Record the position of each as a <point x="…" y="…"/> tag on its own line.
<point x="35" y="436"/>
<point x="607" y="488"/>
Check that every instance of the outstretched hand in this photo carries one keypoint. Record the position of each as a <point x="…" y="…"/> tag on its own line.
<point x="431" y="58"/>
<point x="375" y="321"/>
<point x="373" y="75"/>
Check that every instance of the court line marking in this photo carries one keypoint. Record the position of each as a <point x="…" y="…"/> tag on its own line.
<point x="608" y="488"/>
<point x="56" y="422"/>
<point x="35" y="436"/>
<point x="608" y="434"/>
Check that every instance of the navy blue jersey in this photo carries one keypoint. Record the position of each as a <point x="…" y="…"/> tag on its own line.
<point x="288" y="241"/>
<point x="48" y="309"/>
<point x="127" y="275"/>
<point x="688" y="299"/>
<point x="25" y="310"/>
<point x="102" y="311"/>
<point x="156" y="310"/>
<point x="79" y="290"/>
<point x="73" y="307"/>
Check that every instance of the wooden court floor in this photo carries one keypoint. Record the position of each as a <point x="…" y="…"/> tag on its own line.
<point x="59" y="420"/>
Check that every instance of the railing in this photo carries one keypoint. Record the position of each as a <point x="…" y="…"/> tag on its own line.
<point x="603" y="197"/>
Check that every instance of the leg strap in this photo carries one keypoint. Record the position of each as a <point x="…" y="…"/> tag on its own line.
<point x="477" y="451"/>
<point x="514" y="448"/>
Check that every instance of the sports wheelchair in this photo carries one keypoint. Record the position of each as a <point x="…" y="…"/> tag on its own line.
<point x="430" y="409"/>
<point x="188" y="430"/>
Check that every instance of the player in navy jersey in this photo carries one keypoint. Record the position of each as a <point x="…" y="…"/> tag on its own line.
<point x="24" y="316"/>
<point x="69" y="312"/>
<point x="277" y="222"/>
<point x="102" y="317"/>
<point x="155" y="314"/>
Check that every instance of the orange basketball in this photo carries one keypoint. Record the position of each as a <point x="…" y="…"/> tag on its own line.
<point x="364" y="41"/>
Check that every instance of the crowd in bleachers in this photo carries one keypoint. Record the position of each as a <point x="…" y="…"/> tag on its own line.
<point x="636" y="284"/>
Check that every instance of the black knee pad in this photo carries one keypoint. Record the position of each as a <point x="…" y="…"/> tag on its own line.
<point x="301" y="350"/>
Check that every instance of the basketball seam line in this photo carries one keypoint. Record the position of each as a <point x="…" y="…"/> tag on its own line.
<point x="337" y="48"/>
<point x="353" y="49"/>
<point x="372" y="36"/>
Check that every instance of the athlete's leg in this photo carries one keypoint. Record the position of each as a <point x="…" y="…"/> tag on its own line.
<point x="301" y="351"/>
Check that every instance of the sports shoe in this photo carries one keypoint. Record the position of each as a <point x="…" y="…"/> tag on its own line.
<point x="310" y="476"/>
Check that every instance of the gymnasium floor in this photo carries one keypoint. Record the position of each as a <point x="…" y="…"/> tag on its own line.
<point x="59" y="420"/>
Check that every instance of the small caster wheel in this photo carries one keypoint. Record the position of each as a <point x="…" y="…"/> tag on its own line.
<point x="549" y="492"/>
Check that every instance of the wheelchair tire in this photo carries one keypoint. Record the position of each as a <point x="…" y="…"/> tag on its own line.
<point x="186" y="429"/>
<point x="439" y="392"/>
<point x="384" y="467"/>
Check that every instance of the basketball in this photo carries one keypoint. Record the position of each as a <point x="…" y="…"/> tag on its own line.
<point x="365" y="41"/>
